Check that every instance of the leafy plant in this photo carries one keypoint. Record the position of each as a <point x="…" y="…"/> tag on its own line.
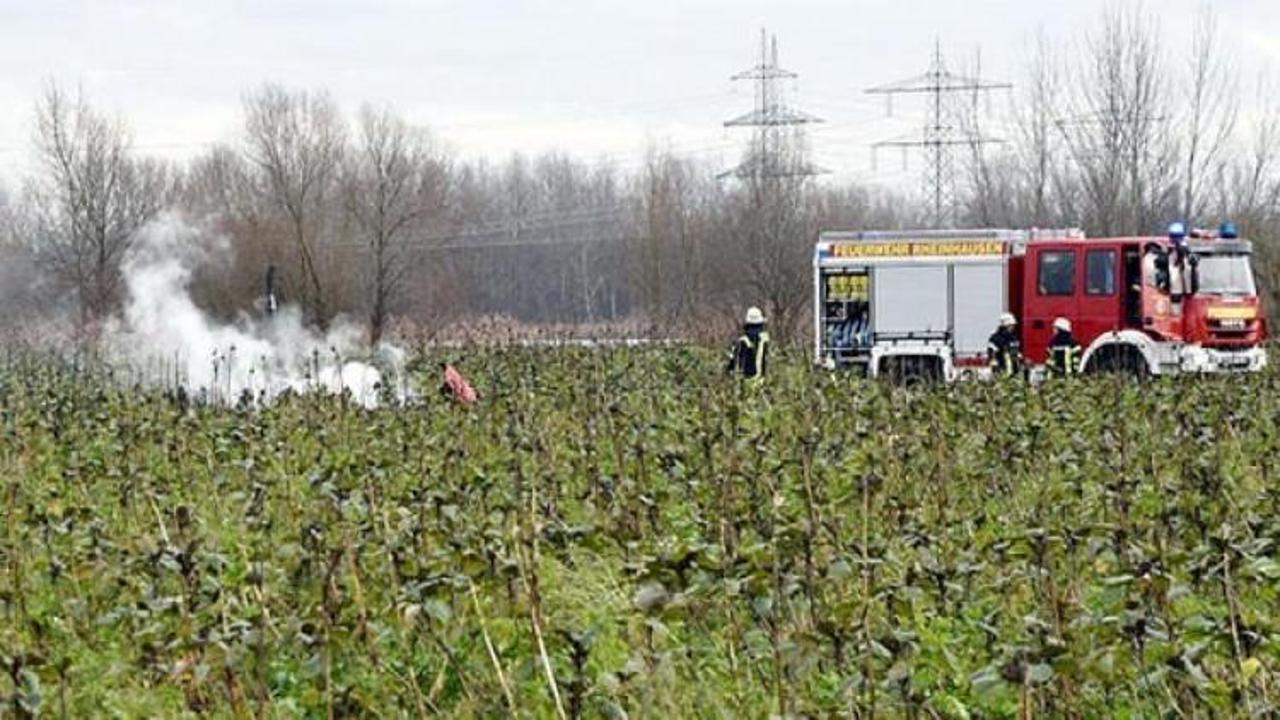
<point x="626" y="533"/>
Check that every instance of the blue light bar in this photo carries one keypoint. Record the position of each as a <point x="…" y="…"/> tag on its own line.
<point x="1228" y="231"/>
<point x="1177" y="230"/>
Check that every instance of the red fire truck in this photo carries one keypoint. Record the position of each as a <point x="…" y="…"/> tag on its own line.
<point x="920" y="304"/>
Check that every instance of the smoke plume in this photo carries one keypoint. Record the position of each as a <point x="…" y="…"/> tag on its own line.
<point x="161" y="330"/>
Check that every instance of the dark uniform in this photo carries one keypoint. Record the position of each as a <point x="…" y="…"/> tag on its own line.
<point x="1004" y="352"/>
<point x="1064" y="353"/>
<point x="270" y="306"/>
<point x="749" y="355"/>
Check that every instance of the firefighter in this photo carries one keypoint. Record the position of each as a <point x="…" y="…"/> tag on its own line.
<point x="1155" y="267"/>
<point x="1064" y="351"/>
<point x="1004" y="351"/>
<point x="749" y="355"/>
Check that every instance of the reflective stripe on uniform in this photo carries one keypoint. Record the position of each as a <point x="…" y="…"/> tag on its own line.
<point x="764" y="340"/>
<point x="1065" y="358"/>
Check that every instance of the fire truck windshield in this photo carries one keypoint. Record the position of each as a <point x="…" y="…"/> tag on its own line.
<point x="1225" y="275"/>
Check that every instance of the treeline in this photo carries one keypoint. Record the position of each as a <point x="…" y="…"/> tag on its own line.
<point x="371" y="217"/>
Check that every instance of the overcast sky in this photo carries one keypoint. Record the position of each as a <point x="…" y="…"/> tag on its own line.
<point x="601" y="79"/>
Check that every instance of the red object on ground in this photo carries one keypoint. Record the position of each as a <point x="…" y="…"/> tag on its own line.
<point x="458" y="386"/>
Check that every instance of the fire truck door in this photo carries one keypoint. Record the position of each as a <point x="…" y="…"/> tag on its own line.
<point x="1050" y="291"/>
<point x="1132" y="287"/>
<point x="1099" y="306"/>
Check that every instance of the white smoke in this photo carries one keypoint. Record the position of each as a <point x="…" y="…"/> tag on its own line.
<point x="161" y="329"/>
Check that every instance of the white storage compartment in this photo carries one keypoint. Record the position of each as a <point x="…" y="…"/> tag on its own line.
<point x="979" y="292"/>
<point x="910" y="299"/>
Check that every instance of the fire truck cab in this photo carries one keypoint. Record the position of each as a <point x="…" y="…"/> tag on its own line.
<point x="919" y="304"/>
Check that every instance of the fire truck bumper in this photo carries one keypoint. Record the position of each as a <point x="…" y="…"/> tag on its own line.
<point x="913" y="350"/>
<point x="1213" y="360"/>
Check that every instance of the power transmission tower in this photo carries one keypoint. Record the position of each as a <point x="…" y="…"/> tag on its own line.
<point x="942" y="129"/>
<point x="777" y="148"/>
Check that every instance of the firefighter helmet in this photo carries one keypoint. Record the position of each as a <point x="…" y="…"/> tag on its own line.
<point x="754" y="316"/>
<point x="1007" y="320"/>
<point x="1062" y="324"/>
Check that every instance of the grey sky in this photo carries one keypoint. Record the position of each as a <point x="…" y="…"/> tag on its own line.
<point x="599" y="79"/>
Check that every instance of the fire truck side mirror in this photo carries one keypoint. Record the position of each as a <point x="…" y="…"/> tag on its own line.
<point x="1194" y="261"/>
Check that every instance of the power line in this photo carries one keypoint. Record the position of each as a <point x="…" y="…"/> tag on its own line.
<point x="186" y="145"/>
<point x="941" y="132"/>
<point x="543" y="228"/>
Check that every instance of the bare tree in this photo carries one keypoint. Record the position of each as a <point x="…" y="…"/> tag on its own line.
<point x="223" y="187"/>
<point x="19" y="279"/>
<point x="675" y="198"/>
<point x="1036" y="140"/>
<point x="221" y="182"/>
<point x="986" y="196"/>
<point x="661" y="208"/>
<point x="1116" y="134"/>
<point x="8" y="217"/>
<point x="1213" y="105"/>
<point x="394" y="188"/>
<point x="1254" y="185"/>
<point x="89" y="199"/>
<point x="296" y="142"/>
<point x="775" y="224"/>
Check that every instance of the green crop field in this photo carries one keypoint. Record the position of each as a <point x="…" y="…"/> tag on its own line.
<point x="627" y="533"/>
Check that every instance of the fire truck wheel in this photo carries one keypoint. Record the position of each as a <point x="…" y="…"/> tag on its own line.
<point x="1121" y="359"/>
<point x="912" y="371"/>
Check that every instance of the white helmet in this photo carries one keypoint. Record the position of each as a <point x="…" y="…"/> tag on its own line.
<point x="754" y="316"/>
<point x="1007" y="320"/>
<point x="1062" y="324"/>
